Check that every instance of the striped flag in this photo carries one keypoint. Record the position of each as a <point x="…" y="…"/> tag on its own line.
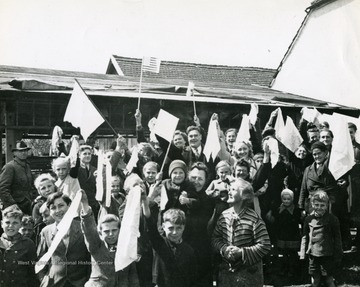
<point x="151" y="64"/>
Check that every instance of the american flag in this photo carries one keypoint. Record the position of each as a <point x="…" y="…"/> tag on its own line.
<point x="151" y="64"/>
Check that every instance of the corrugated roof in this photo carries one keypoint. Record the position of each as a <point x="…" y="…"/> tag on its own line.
<point x="196" y="72"/>
<point x="61" y="82"/>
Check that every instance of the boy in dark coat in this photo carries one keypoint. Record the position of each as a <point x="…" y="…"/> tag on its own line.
<point x="177" y="259"/>
<point x="17" y="253"/>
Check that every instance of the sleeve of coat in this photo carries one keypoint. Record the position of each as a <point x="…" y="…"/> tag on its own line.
<point x="6" y="179"/>
<point x="304" y="192"/>
<point x="89" y="229"/>
<point x="32" y="278"/>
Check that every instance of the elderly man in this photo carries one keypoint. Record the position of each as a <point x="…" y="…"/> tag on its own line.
<point x="16" y="180"/>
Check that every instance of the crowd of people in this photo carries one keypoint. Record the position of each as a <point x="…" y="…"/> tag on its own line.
<point x="203" y="221"/>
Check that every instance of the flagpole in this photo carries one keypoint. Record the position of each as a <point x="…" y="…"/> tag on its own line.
<point x="141" y="73"/>
<point x="97" y="108"/>
<point x="166" y="154"/>
<point x="194" y="108"/>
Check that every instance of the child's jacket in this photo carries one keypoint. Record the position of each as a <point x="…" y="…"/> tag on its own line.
<point x="17" y="261"/>
<point x="321" y="236"/>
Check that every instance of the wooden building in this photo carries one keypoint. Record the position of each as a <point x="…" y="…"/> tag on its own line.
<point x="33" y="101"/>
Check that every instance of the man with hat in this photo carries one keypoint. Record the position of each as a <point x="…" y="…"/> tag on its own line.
<point x="317" y="176"/>
<point x="16" y="180"/>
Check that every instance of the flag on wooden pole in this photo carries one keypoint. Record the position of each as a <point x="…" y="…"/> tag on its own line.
<point x="150" y="64"/>
<point x="166" y="125"/>
<point x="81" y="113"/>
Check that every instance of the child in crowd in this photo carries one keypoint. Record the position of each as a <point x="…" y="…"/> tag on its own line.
<point x="242" y="170"/>
<point x="46" y="220"/>
<point x="177" y="264"/>
<point x="67" y="181"/>
<point x="321" y="241"/>
<point x="27" y="227"/>
<point x="259" y="159"/>
<point x="101" y="241"/>
<point x="117" y="198"/>
<point x="179" y="192"/>
<point x="86" y="177"/>
<point x="287" y="220"/>
<point x="17" y="252"/>
<point x="45" y="214"/>
<point x="45" y="185"/>
<point x="69" y="262"/>
<point x="218" y="190"/>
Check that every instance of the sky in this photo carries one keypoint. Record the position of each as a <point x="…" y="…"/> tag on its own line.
<point x="81" y="35"/>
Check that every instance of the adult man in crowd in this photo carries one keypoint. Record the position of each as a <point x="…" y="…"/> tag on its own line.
<point x="16" y="180"/>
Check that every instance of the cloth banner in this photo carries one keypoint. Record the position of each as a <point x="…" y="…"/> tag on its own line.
<point x="99" y="177"/>
<point x="212" y="145"/>
<point x="291" y="137"/>
<point x="126" y="251"/>
<point x="274" y="151"/>
<point x="163" y="198"/>
<point x="244" y="130"/>
<point x="253" y="113"/>
<point x="342" y="153"/>
<point x="279" y="125"/>
<point x="132" y="161"/>
<point x="312" y="115"/>
<point x="55" y="141"/>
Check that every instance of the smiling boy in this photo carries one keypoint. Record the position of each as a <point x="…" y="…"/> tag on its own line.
<point x="177" y="264"/>
<point x="321" y="241"/>
<point x="101" y="241"/>
<point x="17" y="253"/>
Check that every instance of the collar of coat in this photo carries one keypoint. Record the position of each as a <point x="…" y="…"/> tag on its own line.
<point x="289" y="208"/>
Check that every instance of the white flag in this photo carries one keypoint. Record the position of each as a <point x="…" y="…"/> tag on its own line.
<point x="99" y="177"/>
<point x="132" y="162"/>
<point x="126" y="251"/>
<point x="151" y="64"/>
<point x="311" y="115"/>
<point x="279" y="125"/>
<point x="244" y="130"/>
<point x="253" y="113"/>
<point x="166" y="125"/>
<point x="291" y="137"/>
<point x="81" y="113"/>
<point x="212" y="145"/>
<point x="342" y="153"/>
<point x="163" y="198"/>
<point x="274" y="151"/>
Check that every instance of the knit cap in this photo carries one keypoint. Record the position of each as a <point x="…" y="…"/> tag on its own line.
<point x="318" y="145"/>
<point x="177" y="163"/>
<point x="287" y="191"/>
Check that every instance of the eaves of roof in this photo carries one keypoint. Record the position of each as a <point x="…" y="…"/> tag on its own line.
<point x="22" y="79"/>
